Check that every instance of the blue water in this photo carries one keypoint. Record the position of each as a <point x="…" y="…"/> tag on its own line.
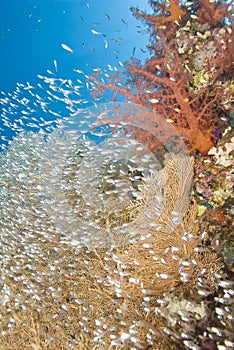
<point x="34" y="62"/>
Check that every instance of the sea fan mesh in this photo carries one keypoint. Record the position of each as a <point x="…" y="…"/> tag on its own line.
<point x="99" y="192"/>
<point x="94" y="231"/>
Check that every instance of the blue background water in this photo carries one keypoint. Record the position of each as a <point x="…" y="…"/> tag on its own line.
<point x="31" y="36"/>
<point x="32" y="31"/>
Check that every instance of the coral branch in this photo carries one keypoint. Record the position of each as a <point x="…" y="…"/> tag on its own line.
<point x="189" y="78"/>
<point x="169" y="17"/>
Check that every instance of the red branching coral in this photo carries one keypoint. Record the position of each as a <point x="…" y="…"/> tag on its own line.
<point x="168" y="18"/>
<point x="212" y="12"/>
<point x="188" y="79"/>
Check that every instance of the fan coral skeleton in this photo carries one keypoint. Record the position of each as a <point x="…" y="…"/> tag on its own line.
<point x="59" y="287"/>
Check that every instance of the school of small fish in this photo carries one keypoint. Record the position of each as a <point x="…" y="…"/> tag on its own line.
<point x="73" y="179"/>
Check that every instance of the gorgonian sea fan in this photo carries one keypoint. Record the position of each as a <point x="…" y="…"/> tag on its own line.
<point x="94" y="174"/>
<point x="95" y="228"/>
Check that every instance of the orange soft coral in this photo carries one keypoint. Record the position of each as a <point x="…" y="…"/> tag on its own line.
<point x="170" y="16"/>
<point x="190" y="86"/>
<point x="211" y="12"/>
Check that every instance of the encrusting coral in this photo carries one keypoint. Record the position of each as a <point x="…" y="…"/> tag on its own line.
<point x="215" y="196"/>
